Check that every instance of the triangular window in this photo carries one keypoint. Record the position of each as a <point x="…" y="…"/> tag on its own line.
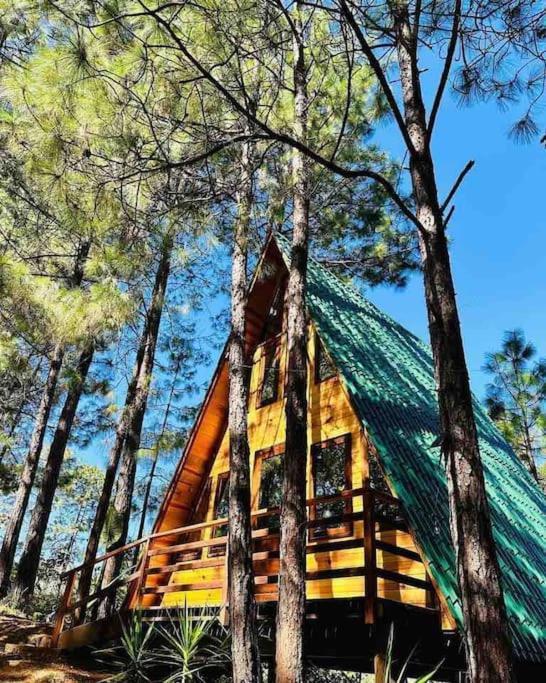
<point x="324" y="366"/>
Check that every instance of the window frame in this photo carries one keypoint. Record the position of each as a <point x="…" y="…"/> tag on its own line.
<point x="273" y="347"/>
<point x="200" y="515"/>
<point x="222" y="482"/>
<point x="319" y="350"/>
<point x="259" y="457"/>
<point x="345" y="528"/>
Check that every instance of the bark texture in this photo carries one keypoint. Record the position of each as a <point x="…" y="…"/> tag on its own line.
<point x="487" y="642"/>
<point x="30" y="558"/>
<point x="527" y="454"/>
<point x="16" y="417"/>
<point x="291" y="606"/>
<point x="242" y="607"/>
<point x="15" y="522"/>
<point x="126" y="478"/>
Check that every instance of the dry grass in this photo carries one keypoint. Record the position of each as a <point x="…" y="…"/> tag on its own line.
<point x="40" y="666"/>
<point x="39" y="672"/>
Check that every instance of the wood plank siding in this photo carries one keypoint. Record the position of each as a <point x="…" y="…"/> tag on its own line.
<point x="196" y="576"/>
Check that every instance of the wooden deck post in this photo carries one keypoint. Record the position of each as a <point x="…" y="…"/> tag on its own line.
<point x="370" y="562"/>
<point x="63" y="608"/>
<point x="142" y="574"/>
<point x="224" y="609"/>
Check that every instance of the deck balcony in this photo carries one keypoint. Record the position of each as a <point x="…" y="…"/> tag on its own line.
<point x="363" y="554"/>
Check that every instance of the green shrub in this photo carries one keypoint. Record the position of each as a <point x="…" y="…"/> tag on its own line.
<point x="195" y="645"/>
<point x="132" y="658"/>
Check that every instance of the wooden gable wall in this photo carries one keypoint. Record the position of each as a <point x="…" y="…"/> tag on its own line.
<point x="206" y="460"/>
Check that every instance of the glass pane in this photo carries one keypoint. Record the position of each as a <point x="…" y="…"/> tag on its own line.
<point x="325" y="367"/>
<point x="221" y="507"/>
<point x="330" y="479"/>
<point x="271" y="488"/>
<point x="270" y="380"/>
<point x="271" y="482"/>
<point x="222" y="499"/>
<point x="274" y="317"/>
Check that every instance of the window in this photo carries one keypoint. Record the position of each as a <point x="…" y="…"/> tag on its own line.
<point x="274" y="320"/>
<point x="331" y="472"/>
<point x="270" y="493"/>
<point x="390" y="512"/>
<point x="200" y="514"/>
<point x="324" y="367"/>
<point x="269" y="387"/>
<point x="221" y="507"/>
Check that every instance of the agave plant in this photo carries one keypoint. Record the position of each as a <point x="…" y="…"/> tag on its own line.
<point x="195" y="642"/>
<point x="132" y="656"/>
<point x="388" y="678"/>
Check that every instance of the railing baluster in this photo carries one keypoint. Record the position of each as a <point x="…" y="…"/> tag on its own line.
<point x="141" y="581"/>
<point x="224" y="609"/>
<point x="63" y="609"/>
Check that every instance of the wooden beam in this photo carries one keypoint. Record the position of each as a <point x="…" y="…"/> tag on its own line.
<point x="370" y="559"/>
<point x="224" y="608"/>
<point x="63" y="609"/>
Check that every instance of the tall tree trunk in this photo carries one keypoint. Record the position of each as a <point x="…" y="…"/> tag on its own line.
<point x="528" y="456"/>
<point x="527" y="453"/>
<point x="30" y="558"/>
<point x="126" y="424"/>
<point x="15" y="522"/>
<point x="149" y="483"/>
<point x="12" y="429"/>
<point x="242" y="606"/>
<point x="121" y="518"/>
<point x="126" y="478"/>
<point x="487" y="642"/>
<point x="101" y="512"/>
<point x="291" y="605"/>
<point x="13" y="529"/>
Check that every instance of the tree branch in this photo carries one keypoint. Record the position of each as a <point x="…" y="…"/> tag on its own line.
<point x="283" y="137"/>
<point x="455" y="187"/>
<point x="447" y="68"/>
<point x="379" y="73"/>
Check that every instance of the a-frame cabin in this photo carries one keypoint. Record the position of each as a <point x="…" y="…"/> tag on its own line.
<point x="378" y="542"/>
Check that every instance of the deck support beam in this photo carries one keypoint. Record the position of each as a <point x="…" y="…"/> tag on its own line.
<point x="370" y="562"/>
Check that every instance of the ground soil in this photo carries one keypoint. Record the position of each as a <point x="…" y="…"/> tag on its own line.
<point x="39" y="665"/>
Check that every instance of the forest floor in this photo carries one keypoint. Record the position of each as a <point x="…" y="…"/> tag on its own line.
<point x="34" y="664"/>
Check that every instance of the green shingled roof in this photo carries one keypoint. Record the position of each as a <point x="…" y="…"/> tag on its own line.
<point x="389" y="375"/>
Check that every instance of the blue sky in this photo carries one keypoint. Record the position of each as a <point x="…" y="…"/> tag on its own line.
<point x="498" y="235"/>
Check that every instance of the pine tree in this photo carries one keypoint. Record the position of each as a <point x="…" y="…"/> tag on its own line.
<point x="246" y="660"/>
<point x="516" y="397"/>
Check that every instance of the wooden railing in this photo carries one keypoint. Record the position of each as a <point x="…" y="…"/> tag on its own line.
<point x="149" y="563"/>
